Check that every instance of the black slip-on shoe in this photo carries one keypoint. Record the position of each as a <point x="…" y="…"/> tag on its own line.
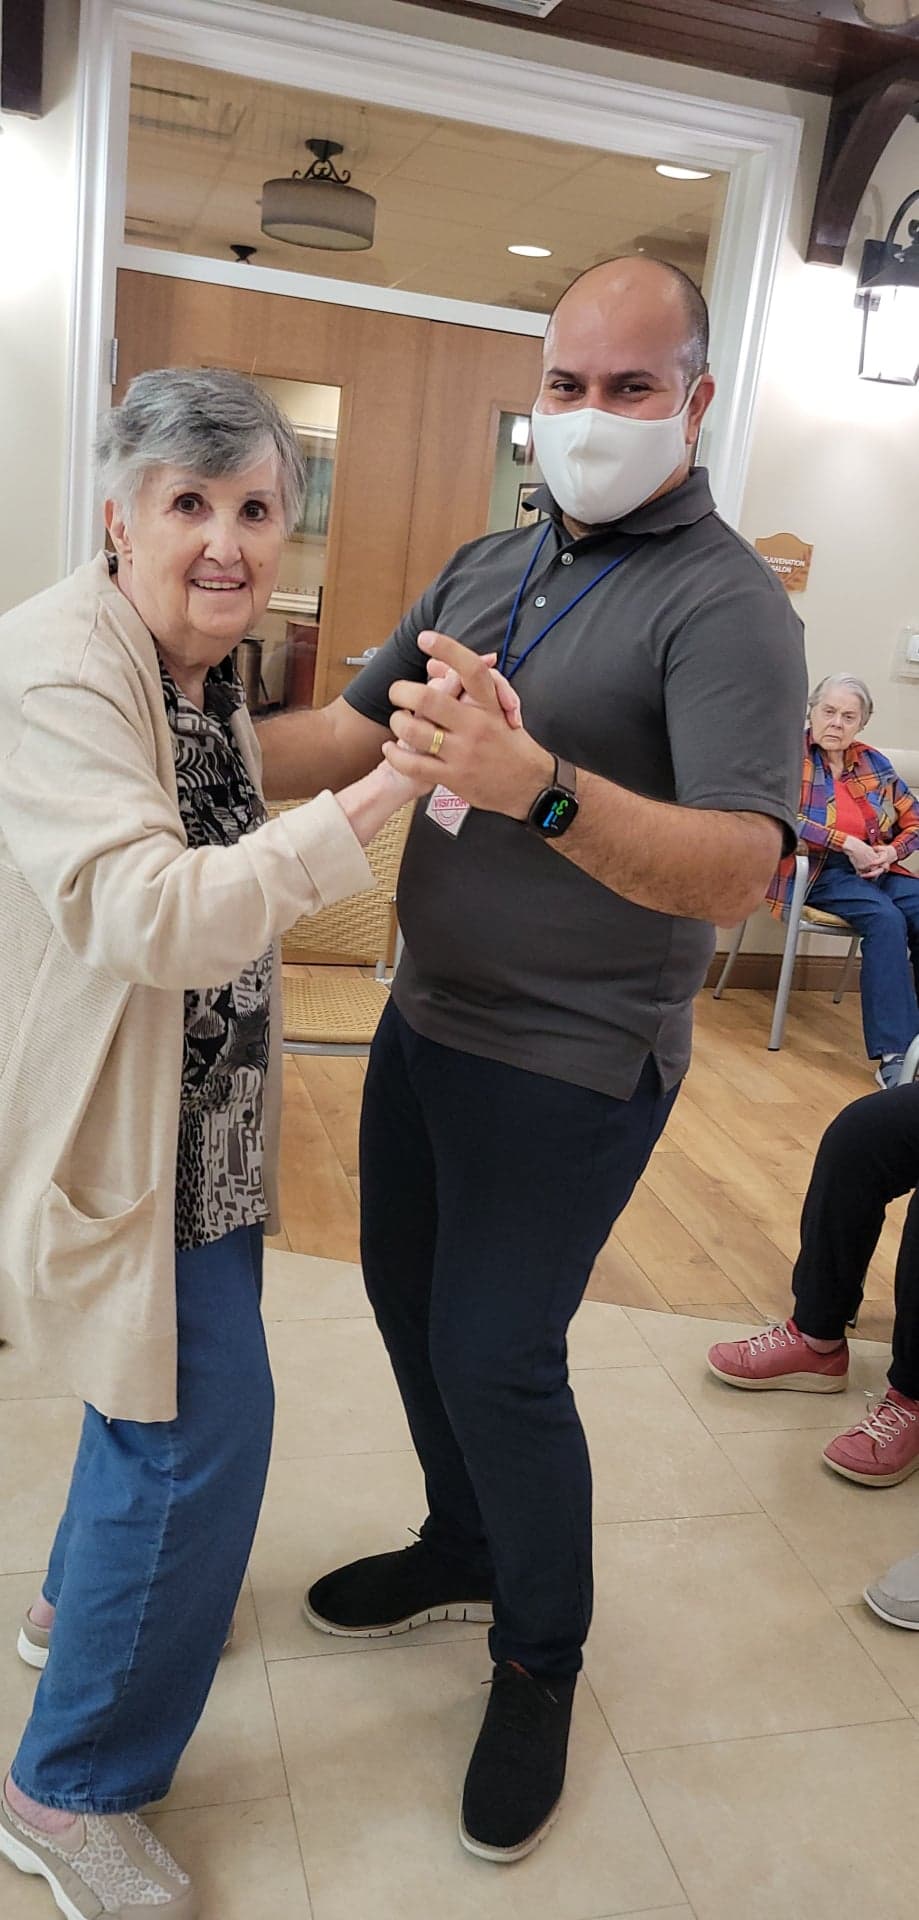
<point x="514" y="1784"/>
<point x="391" y="1592"/>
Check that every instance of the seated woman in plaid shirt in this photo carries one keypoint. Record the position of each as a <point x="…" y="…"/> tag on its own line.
<point x="858" y="821"/>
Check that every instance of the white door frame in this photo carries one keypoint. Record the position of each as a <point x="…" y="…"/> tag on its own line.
<point x="759" y="149"/>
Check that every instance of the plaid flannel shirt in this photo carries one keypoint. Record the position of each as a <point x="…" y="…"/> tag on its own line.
<point x="893" y="813"/>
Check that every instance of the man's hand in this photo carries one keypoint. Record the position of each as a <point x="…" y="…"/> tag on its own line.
<point x="485" y="758"/>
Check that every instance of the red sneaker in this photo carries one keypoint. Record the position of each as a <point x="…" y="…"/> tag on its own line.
<point x="780" y="1357"/>
<point x="884" y="1448"/>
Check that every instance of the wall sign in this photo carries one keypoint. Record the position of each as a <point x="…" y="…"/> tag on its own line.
<point x="789" y="558"/>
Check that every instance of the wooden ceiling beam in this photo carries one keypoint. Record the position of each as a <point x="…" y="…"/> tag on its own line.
<point x="821" y="45"/>
<point x="862" y="122"/>
<point x="22" y="34"/>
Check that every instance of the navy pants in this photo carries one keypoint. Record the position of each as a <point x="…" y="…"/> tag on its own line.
<point x="868" y="1156"/>
<point x="150" y="1555"/>
<point x="486" y="1194"/>
<point x="886" y="914"/>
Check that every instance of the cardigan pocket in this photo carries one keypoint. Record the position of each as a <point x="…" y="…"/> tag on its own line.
<point x="81" y="1257"/>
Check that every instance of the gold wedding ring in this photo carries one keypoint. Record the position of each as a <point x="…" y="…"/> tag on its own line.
<point x="437" y="742"/>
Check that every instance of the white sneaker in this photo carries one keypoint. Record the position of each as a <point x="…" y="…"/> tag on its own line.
<point x="106" y="1863"/>
<point x="895" y="1596"/>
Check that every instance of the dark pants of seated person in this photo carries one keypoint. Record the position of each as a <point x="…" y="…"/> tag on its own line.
<point x="867" y="1157"/>
<point x="886" y="914"/>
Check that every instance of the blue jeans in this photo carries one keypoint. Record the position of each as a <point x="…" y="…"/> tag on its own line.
<point x="151" y="1553"/>
<point x="886" y="914"/>
<point x="486" y="1195"/>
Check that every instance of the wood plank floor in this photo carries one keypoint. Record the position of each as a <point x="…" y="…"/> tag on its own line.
<point x="713" y="1228"/>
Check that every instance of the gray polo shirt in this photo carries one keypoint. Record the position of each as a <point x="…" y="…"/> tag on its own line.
<point x="680" y="676"/>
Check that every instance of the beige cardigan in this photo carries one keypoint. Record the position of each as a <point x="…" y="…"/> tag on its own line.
<point x="106" y="916"/>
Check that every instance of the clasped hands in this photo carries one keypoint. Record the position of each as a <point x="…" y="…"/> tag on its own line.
<point x="870" y="862"/>
<point x="470" y="715"/>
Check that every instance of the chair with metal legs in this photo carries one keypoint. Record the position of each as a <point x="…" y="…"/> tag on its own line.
<point x="799" y="919"/>
<point x="910" y="1067"/>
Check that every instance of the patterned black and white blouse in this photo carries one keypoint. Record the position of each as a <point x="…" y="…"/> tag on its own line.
<point x="219" y="1167"/>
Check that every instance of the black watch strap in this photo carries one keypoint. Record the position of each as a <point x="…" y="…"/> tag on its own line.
<point x="556" y="807"/>
<point x="566" y="775"/>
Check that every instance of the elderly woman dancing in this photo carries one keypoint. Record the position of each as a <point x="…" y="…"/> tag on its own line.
<point x="141" y="891"/>
<point x="858" y="820"/>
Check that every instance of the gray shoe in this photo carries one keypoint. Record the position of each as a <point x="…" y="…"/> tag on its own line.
<point x="889" y="1071"/>
<point x="34" y="1643"/>
<point x="895" y="1596"/>
<point x="105" y="1864"/>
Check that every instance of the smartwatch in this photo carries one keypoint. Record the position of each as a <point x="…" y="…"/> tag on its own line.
<point x="557" y="806"/>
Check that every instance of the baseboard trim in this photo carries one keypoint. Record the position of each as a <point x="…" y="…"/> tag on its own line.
<point x="814" y="973"/>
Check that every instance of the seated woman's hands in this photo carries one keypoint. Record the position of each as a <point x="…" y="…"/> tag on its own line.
<point x="866" y="859"/>
<point x="883" y="859"/>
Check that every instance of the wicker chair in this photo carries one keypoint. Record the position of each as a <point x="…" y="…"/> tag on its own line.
<point x="332" y="1004"/>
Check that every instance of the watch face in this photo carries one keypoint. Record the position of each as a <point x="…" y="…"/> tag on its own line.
<point x="554" y="811"/>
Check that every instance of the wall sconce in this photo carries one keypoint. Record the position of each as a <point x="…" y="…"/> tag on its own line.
<point x="520" y="439"/>
<point x="888" y="292"/>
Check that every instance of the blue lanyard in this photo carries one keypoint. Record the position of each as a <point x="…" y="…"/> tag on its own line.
<point x="521" y="590"/>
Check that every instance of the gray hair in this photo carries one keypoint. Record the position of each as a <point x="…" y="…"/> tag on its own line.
<point x="206" y="419"/>
<point x="853" y="684"/>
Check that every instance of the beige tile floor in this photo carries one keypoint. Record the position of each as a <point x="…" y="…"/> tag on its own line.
<point x="745" y="1741"/>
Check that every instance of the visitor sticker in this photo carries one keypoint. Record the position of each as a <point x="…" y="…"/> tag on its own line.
<point x="447" y="810"/>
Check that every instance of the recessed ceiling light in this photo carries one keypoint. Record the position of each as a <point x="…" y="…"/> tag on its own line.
<point x="533" y="253"/>
<point x="682" y="173"/>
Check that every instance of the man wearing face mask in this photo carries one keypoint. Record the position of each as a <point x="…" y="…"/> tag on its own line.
<point x="557" y="900"/>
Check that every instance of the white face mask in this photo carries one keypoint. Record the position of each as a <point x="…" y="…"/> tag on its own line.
<point x="598" y="466"/>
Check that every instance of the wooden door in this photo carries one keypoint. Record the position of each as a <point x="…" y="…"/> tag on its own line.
<point x="417" y="431"/>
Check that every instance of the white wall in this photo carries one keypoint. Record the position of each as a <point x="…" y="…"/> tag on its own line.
<point x="836" y="460"/>
<point x="37" y="202"/>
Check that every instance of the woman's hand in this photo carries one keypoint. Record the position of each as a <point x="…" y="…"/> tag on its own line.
<point x="863" y="858"/>
<point x="449" y="682"/>
<point x="883" y="859"/>
<point x="370" y="802"/>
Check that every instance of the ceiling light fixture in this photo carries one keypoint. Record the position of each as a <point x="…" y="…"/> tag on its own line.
<point x="681" y="173"/>
<point x="319" y="208"/>
<point x="532" y="9"/>
<point x="532" y="253"/>
<point x="888" y="292"/>
<point x="892" y="16"/>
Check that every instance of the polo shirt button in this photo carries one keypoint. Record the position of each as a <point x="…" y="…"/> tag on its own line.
<point x="567" y="559"/>
<point x="540" y="600"/>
